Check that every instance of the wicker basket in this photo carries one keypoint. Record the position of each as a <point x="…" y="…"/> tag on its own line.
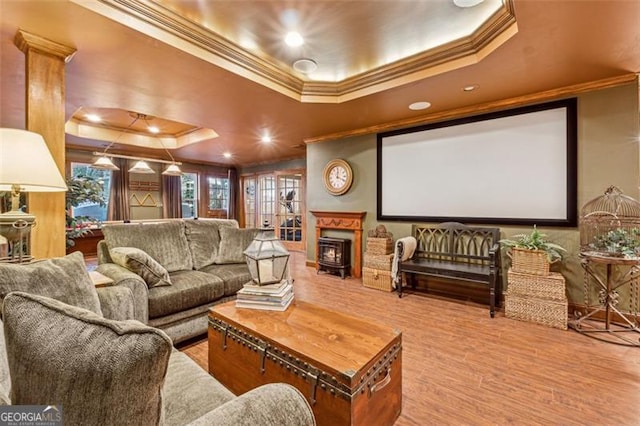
<point x="529" y="261"/>
<point x="376" y="278"/>
<point x="552" y="313"/>
<point x="379" y="245"/>
<point x="378" y="261"/>
<point x="551" y="286"/>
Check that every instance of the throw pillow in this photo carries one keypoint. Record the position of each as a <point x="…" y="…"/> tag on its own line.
<point x="100" y="371"/>
<point x="204" y="239"/>
<point x="139" y="262"/>
<point x="64" y="278"/>
<point x="233" y="243"/>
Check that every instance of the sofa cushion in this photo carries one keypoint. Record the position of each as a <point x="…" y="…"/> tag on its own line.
<point x="233" y="243"/>
<point x="204" y="239"/>
<point x="165" y="242"/>
<point x="108" y="372"/>
<point x="140" y="263"/>
<point x="64" y="278"/>
<point x="234" y="275"/>
<point x="188" y="289"/>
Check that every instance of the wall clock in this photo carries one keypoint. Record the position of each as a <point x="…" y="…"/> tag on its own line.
<point x="337" y="176"/>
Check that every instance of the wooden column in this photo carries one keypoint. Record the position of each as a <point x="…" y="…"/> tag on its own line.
<point x="351" y="221"/>
<point x="45" y="99"/>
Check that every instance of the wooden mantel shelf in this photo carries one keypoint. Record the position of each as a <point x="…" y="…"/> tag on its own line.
<point x="351" y="221"/>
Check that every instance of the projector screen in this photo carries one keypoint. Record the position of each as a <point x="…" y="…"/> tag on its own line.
<point x="510" y="167"/>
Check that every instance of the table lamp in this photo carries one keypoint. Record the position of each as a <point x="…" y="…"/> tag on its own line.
<point x="26" y="165"/>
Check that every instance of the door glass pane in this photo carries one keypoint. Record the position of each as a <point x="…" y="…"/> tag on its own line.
<point x="267" y="191"/>
<point x="250" y="202"/>
<point x="289" y="214"/>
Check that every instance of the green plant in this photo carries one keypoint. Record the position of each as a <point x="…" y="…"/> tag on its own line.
<point x="536" y="240"/>
<point x="82" y="189"/>
<point x="619" y="242"/>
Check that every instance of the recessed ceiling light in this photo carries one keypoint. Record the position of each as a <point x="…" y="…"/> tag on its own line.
<point x="470" y="88"/>
<point x="94" y="118"/>
<point x="305" y="65"/>
<point x="467" y="3"/>
<point x="266" y="139"/>
<point x="293" y="39"/>
<point x="227" y="155"/>
<point x="153" y="129"/>
<point x="416" y="106"/>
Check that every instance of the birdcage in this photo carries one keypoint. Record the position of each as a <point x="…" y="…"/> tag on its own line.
<point x="610" y="225"/>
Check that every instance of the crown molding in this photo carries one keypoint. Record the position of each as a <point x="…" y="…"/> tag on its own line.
<point x="155" y="20"/>
<point x="472" y="110"/>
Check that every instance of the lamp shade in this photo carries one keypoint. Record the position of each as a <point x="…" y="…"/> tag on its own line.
<point x="172" y="170"/>
<point x="141" y="167"/>
<point x="25" y="160"/>
<point x="104" y="163"/>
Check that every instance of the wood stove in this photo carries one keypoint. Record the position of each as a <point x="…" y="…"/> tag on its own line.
<point x="334" y="255"/>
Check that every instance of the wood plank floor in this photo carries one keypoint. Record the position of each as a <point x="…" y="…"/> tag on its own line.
<point x="461" y="367"/>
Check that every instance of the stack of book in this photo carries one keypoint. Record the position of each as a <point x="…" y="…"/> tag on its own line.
<point x="274" y="297"/>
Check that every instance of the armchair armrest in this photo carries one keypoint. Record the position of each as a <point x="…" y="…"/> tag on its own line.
<point x="122" y="277"/>
<point x="273" y="404"/>
<point x="116" y="302"/>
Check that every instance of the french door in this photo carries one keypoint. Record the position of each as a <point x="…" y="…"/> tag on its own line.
<point x="276" y="200"/>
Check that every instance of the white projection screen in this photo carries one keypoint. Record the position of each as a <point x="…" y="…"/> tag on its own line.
<point x="511" y="167"/>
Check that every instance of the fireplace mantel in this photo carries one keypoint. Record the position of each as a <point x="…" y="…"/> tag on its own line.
<point x="350" y="221"/>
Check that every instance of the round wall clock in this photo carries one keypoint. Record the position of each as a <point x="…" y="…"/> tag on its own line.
<point x="337" y="176"/>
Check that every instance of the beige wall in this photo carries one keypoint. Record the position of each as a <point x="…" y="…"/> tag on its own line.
<point x="608" y="154"/>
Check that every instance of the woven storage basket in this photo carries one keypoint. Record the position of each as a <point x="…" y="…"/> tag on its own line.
<point x="378" y="261"/>
<point x="376" y="278"/>
<point x="379" y="245"/>
<point x="552" y="313"/>
<point x="551" y="286"/>
<point x="529" y="261"/>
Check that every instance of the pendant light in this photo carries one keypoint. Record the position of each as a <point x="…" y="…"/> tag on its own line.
<point x="141" y="167"/>
<point x="104" y="163"/>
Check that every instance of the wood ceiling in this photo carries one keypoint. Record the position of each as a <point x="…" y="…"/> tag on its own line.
<point x="558" y="43"/>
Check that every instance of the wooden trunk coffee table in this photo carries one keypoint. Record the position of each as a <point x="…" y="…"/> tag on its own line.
<point x="348" y="368"/>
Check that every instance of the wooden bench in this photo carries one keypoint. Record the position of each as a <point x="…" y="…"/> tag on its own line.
<point x="454" y="251"/>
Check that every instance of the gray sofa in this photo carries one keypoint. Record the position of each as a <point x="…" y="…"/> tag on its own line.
<point x="64" y="342"/>
<point x="192" y="264"/>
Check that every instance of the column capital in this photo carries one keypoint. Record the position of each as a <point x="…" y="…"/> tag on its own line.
<point x="26" y="42"/>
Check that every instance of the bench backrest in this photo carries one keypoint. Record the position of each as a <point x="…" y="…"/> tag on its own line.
<point x="455" y="242"/>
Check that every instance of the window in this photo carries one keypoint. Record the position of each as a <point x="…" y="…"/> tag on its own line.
<point x="217" y="196"/>
<point x="89" y="208"/>
<point x="189" y="182"/>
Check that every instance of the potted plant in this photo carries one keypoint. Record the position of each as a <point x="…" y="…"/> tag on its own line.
<point x="82" y="189"/>
<point x="618" y="243"/>
<point x="532" y="253"/>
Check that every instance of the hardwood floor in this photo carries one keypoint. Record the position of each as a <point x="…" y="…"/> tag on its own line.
<point x="461" y="367"/>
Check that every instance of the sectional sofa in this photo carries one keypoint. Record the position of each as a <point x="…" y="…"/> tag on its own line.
<point x="176" y="269"/>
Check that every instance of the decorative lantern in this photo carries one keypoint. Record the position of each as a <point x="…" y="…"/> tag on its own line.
<point x="268" y="259"/>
